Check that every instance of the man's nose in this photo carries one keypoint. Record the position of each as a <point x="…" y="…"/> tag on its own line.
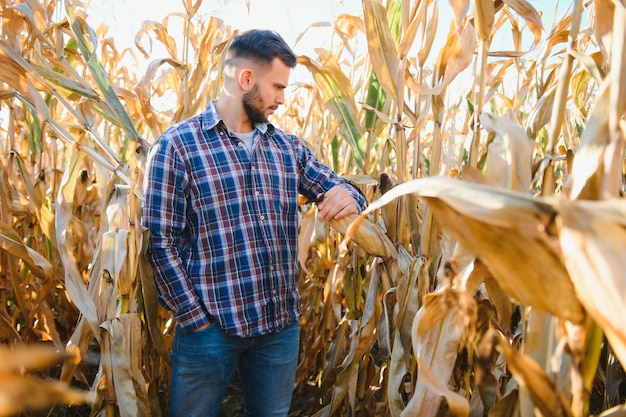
<point x="280" y="97"/>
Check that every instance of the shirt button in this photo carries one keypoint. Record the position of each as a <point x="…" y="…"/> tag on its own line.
<point x="262" y="217"/>
<point x="272" y="268"/>
<point x="257" y="192"/>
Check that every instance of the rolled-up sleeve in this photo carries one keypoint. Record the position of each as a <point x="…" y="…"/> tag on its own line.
<point x="317" y="178"/>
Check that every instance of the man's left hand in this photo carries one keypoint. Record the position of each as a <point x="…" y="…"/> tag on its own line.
<point x="336" y="203"/>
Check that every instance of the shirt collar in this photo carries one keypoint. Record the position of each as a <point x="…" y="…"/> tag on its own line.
<point x="211" y="118"/>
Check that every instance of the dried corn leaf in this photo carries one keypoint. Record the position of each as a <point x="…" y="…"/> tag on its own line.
<point x="510" y="154"/>
<point x="455" y="56"/>
<point x="13" y="22"/>
<point x="15" y="71"/>
<point x="362" y="339"/>
<point x="145" y="88"/>
<point x="618" y="68"/>
<point x="44" y="214"/>
<point x="336" y="350"/>
<point x="19" y="394"/>
<point x="418" y="19"/>
<point x="597" y="169"/>
<point x="484" y="18"/>
<point x="209" y="60"/>
<point x="458" y="406"/>
<point x="459" y="8"/>
<point x="381" y="46"/>
<point x="604" y="25"/>
<point x="11" y="242"/>
<point x="162" y="35"/>
<point x="593" y="238"/>
<point x="311" y="232"/>
<point x="124" y="333"/>
<point x="560" y="32"/>
<point x="345" y="25"/>
<point x="405" y="301"/>
<point x="430" y="34"/>
<point x="408" y="299"/>
<point x="510" y="232"/>
<point x="149" y="293"/>
<point x="114" y="245"/>
<point x="35" y="15"/>
<point x="508" y="404"/>
<point x="436" y="337"/>
<point x="502" y="304"/>
<point x="76" y="290"/>
<point x="618" y="411"/>
<point x="541" y="113"/>
<point x="80" y="111"/>
<point x="526" y="10"/>
<point x="29" y="357"/>
<point x="532" y="377"/>
<point x="397" y="377"/>
<point x="369" y="236"/>
<point x="589" y="174"/>
<point x="192" y="8"/>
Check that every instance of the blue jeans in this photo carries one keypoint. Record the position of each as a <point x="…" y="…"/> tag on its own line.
<point x="203" y="364"/>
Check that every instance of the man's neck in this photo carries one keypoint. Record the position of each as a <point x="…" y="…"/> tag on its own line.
<point x="233" y="115"/>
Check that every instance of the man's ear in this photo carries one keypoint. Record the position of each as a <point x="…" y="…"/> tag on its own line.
<point x="246" y="79"/>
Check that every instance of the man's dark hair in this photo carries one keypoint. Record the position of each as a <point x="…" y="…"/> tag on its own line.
<point x="261" y="46"/>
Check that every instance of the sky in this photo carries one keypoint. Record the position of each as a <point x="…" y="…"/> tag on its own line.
<point x="288" y="17"/>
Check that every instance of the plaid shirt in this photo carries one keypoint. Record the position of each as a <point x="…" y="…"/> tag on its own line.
<point x="224" y="223"/>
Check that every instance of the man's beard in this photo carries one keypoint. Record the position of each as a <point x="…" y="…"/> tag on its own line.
<point x="254" y="106"/>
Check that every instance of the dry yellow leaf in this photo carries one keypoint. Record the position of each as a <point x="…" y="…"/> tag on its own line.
<point x="593" y="238"/>
<point x="484" y="17"/>
<point x="510" y="232"/>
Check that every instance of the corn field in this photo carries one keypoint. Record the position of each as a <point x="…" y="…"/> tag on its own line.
<point x="487" y="276"/>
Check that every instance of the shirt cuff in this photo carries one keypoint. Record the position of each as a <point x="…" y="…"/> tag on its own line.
<point x="192" y="318"/>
